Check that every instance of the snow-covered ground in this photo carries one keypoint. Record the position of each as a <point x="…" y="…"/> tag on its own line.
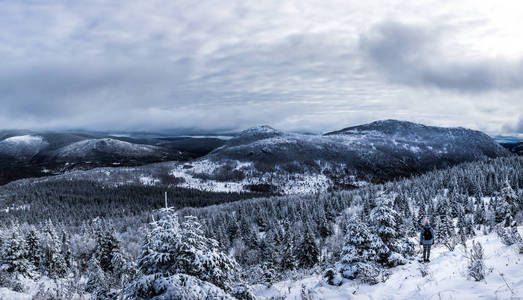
<point x="287" y="183"/>
<point x="446" y="279"/>
<point x="42" y="285"/>
<point x="6" y="293"/>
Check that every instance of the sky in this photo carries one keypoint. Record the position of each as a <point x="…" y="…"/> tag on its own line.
<point x="299" y="65"/>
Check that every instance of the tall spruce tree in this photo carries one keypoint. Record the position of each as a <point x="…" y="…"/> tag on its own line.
<point x="53" y="262"/>
<point x="509" y="206"/>
<point x="360" y="252"/>
<point x="308" y="252"/>
<point x="173" y="254"/>
<point x="34" y="253"/>
<point x="13" y="255"/>
<point x="106" y="247"/>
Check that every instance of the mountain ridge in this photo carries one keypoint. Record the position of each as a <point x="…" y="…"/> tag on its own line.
<point x="265" y="158"/>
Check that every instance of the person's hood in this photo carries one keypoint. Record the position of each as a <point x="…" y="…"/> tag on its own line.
<point x="426" y="226"/>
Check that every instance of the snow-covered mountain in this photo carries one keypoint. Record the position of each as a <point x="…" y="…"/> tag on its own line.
<point x="22" y="146"/>
<point x="89" y="149"/>
<point x="26" y="153"/>
<point x="263" y="159"/>
<point x="376" y="152"/>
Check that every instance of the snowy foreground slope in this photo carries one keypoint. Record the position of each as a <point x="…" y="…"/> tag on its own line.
<point x="446" y="279"/>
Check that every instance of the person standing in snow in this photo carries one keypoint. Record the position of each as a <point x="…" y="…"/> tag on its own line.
<point x="426" y="238"/>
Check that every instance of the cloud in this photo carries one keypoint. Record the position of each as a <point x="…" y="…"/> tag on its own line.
<point x="227" y="65"/>
<point x="514" y="128"/>
<point x="412" y="55"/>
<point x="519" y="126"/>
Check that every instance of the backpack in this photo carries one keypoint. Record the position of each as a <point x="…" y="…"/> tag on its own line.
<point x="427" y="235"/>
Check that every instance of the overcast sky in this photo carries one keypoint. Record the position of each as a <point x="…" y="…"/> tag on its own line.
<point x="231" y="64"/>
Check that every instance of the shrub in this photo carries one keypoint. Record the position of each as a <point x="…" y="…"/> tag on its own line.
<point x="476" y="266"/>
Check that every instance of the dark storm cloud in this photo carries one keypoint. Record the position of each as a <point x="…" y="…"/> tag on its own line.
<point x="412" y="55"/>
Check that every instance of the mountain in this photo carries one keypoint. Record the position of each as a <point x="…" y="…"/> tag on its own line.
<point x="375" y="152"/>
<point x="26" y="153"/>
<point x="93" y="148"/>
<point x="267" y="160"/>
<point x="22" y="146"/>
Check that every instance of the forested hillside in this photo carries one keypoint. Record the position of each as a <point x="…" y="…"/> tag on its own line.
<point x="228" y="247"/>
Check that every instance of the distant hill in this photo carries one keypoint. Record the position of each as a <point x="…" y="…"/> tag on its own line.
<point x="25" y="153"/>
<point x="377" y="152"/>
<point x="516" y="147"/>
<point x="260" y="159"/>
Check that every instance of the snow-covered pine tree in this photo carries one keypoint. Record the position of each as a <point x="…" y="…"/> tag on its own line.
<point x="446" y="233"/>
<point x="34" y="253"/>
<point x="480" y="215"/>
<point x="509" y="200"/>
<point x="385" y="222"/>
<point x="123" y="268"/>
<point x="270" y="251"/>
<point x="96" y="279"/>
<point x="508" y="235"/>
<point x="106" y="246"/>
<point x="469" y="226"/>
<point x="66" y="248"/>
<point x="308" y="252"/>
<point x="324" y="227"/>
<point x="13" y="255"/>
<point x="360" y="252"/>
<point x="422" y="216"/>
<point x="202" y="257"/>
<point x="175" y="255"/>
<point x="288" y="260"/>
<point x="431" y="215"/>
<point x="53" y="262"/>
<point x="476" y="267"/>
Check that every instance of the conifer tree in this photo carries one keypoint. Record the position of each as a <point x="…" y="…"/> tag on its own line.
<point x="308" y="253"/>
<point x="480" y="215"/>
<point x="96" y="279"/>
<point x="445" y="232"/>
<point x="173" y="254"/>
<point x="106" y="246"/>
<point x="288" y="260"/>
<point x="509" y="205"/>
<point x="34" y="254"/>
<point x="13" y="255"/>
<point x="66" y="248"/>
<point x="53" y="262"/>
<point x="360" y="252"/>
<point x="386" y="224"/>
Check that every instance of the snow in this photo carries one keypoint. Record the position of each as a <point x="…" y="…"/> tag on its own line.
<point x="23" y="146"/>
<point x="221" y="137"/>
<point x="262" y="129"/>
<point x="43" y="284"/>
<point x="415" y="149"/>
<point x="25" y="139"/>
<point x="11" y="208"/>
<point x="148" y="180"/>
<point x="287" y="183"/>
<point x="79" y="149"/>
<point x="446" y="278"/>
<point x="206" y="167"/>
<point x="6" y="293"/>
